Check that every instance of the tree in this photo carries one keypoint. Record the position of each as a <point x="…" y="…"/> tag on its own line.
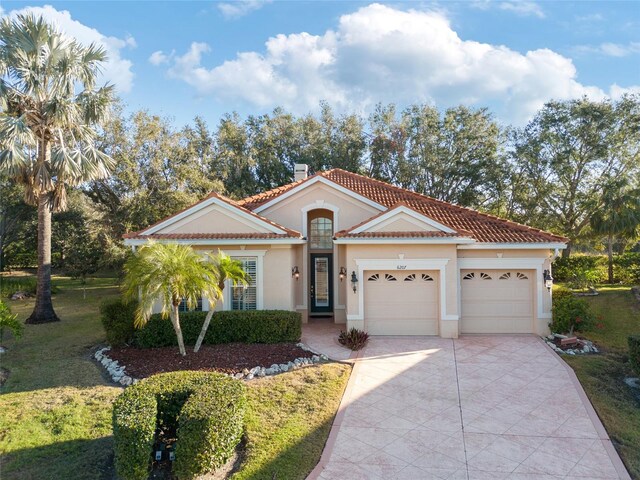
<point x="16" y="221"/>
<point x="169" y="273"/>
<point x="618" y="218"/>
<point x="226" y="269"/>
<point x="568" y="154"/>
<point x="49" y="107"/>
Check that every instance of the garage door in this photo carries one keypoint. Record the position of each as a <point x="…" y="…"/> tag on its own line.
<point x="497" y="301"/>
<point x="401" y="303"/>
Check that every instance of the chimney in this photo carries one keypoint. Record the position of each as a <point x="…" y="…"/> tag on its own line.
<point x="300" y="171"/>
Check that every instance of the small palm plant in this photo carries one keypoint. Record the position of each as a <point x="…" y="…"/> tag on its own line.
<point x="169" y="273"/>
<point x="226" y="268"/>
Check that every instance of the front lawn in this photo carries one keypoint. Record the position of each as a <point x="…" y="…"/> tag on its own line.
<point x="55" y="408"/>
<point x="602" y="375"/>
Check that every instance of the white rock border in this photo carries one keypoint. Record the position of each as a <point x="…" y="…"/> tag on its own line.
<point x="118" y="373"/>
<point x="588" y="348"/>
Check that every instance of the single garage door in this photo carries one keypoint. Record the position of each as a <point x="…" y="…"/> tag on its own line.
<point x="401" y="303"/>
<point x="497" y="301"/>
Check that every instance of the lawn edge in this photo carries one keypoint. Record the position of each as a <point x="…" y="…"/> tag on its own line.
<point x="603" y="436"/>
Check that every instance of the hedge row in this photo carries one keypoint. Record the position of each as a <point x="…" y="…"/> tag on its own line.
<point x="246" y="326"/>
<point x="207" y="409"/>
<point x="593" y="268"/>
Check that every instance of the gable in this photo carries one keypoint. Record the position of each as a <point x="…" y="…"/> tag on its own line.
<point x="348" y="209"/>
<point x="213" y="219"/>
<point x="402" y="222"/>
<point x="401" y="219"/>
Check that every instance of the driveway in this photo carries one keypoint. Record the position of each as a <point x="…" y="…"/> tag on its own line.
<point x="479" y="407"/>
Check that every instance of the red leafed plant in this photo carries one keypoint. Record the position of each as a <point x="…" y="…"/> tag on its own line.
<point x="353" y="338"/>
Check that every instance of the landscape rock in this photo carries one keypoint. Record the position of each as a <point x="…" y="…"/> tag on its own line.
<point x="20" y="295"/>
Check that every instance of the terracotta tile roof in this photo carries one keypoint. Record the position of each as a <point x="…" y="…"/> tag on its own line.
<point x="481" y="226"/>
<point x="420" y="234"/>
<point x="209" y="236"/>
<point x="289" y="232"/>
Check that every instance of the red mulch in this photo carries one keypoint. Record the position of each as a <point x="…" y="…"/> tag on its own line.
<point x="227" y="358"/>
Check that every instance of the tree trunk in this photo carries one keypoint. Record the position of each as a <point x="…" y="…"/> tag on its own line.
<point x="610" y="257"/>
<point x="43" y="311"/>
<point x="566" y="253"/>
<point x="175" y="320"/>
<point x="203" y="332"/>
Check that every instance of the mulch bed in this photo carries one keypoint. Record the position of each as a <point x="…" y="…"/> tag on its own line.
<point x="226" y="358"/>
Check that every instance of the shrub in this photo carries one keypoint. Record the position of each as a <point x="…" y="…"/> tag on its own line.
<point x="353" y="338"/>
<point x="11" y="285"/>
<point x="9" y="321"/>
<point x="634" y="353"/>
<point x="580" y="271"/>
<point x="569" y="312"/>
<point x="627" y="267"/>
<point x="117" y="319"/>
<point x="207" y="409"/>
<point x="247" y="326"/>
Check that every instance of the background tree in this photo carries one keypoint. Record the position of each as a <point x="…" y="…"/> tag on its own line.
<point x="567" y="155"/>
<point x="49" y="105"/>
<point x="168" y="273"/>
<point x="619" y="218"/>
<point x="225" y="268"/>
<point x="16" y="222"/>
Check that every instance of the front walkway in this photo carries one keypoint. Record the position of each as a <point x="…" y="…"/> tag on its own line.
<point x="321" y="334"/>
<point x="479" y="407"/>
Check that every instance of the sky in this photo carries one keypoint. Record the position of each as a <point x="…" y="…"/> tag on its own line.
<point x="181" y="59"/>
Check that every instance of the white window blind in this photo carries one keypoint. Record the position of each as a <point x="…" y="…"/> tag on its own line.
<point x="246" y="298"/>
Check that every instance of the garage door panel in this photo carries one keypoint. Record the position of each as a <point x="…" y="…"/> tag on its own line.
<point x="401" y="303"/>
<point x="497" y="301"/>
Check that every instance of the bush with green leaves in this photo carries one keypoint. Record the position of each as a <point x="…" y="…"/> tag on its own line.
<point x="569" y="313"/>
<point x="117" y="319"/>
<point x="353" y="338"/>
<point x="9" y="321"/>
<point x="626" y="268"/>
<point x="11" y="285"/>
<point x="246" y="326"/>
<point x="205" y="409"/>
<point x="634" y="353"/>
<point x="580" y="271"/>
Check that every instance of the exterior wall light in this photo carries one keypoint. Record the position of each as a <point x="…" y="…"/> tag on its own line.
<point x="354" y="282"/>
<point x="343" y="273"/>
<point x="295" y="273"/>
<point x="548" y="279"/>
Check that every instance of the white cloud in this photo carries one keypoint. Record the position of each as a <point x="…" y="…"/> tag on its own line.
<point x="240" y="8"/>
<point x="116" y="70"/>
<point x="159" y="58"/>
<point x="523" y="8"/>
<point x="382" y="54"/>
<point x="611" y="49"/>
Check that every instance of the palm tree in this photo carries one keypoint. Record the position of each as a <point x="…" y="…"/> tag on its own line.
<point x="226" y="269"/>
<point x="169" y="273"/>
<point x="49" y="107"/>
<point x="618" y="218"/>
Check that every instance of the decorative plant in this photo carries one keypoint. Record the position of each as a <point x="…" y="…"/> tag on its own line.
<point x="570" y="313"/>
<point x="9" y="321"/>
<point x="353" y="338"/>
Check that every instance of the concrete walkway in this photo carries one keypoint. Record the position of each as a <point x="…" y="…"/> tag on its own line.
<point x="480" y="407"/>
<point x="321" y="334"/>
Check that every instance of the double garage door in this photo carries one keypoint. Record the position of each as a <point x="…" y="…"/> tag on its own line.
<point x="407" y="303"/>
<point x="401" y="302"/>
<point x="497" y="301"/>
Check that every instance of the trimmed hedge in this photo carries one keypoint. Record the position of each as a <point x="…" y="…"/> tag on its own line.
<point x="634" y="352"/>
<point x="207" y="408"/>
<point x="569" y="313"/>
<point x="581" y="270"/>
<point x="246" y="326"/>
<point x="117" y="319"/>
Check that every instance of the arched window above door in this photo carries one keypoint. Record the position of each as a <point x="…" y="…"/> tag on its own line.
<point x="321" y="233"/>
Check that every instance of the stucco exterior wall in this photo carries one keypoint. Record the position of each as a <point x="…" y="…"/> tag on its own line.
<point x="289" y="212"/>
<point x="213" y="220"/>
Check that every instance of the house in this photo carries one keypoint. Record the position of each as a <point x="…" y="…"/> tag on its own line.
<point x="374" y="256"/>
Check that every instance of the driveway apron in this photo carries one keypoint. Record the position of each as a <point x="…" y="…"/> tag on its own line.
<point x="478" y="407"/>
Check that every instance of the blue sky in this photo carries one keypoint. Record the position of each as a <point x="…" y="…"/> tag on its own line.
<point x="183" y="59"/>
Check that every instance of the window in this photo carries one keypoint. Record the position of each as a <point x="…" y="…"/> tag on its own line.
<point x="410" y="278"/>
<point x="522" y="276"/>
<point x="485" y="276"/>
<point x="389" y="278"/>
<point x="505" y="276"/>
<point x="469" y="276"/>
<point x="246" y="298"/>
<point x="427" y="278"/>
<point x="373" y="278"/>
<point x="321" y="232"/>
<point x="183" y="306"/>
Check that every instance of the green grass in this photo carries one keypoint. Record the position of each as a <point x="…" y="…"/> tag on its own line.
<point x="602" y="375"/>
<point x="55" y="408"/>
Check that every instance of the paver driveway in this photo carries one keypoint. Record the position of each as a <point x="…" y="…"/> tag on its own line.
<point x="494" y="407"/>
